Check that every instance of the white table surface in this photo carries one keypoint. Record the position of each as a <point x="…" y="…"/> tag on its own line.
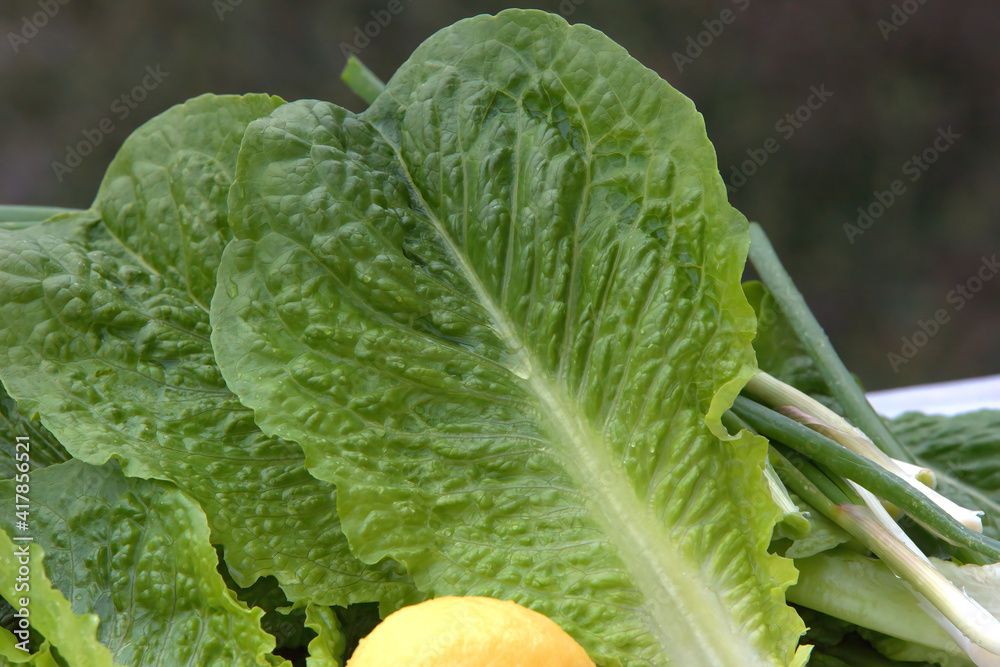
<point x="942" y="398"/>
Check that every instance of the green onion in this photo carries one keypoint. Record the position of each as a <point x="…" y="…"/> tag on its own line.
<point x="876" y="479"/>
<point x="845" y="389"/>
<point x="361" y="80"/>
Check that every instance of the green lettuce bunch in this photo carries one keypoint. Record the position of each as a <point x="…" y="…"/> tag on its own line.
<point x="298" y="367"/>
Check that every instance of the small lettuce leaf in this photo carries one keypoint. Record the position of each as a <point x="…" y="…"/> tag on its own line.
<point x="136" y="553"/>
<point x="104" y="333"/>
<point x="963" y="452"/>
<point x="326" y="649"/>
<point x="13" y="655"/>
<point x="163" y="197"/>
<point x="47" y="609"/>
<point x="501" y="310"/>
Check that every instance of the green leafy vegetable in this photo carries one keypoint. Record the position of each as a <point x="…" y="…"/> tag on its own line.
<point x="501" y="311"/>
<point x="329" y="644"/>
<point x="480" y="339"/>
<point x="136" y="552"/>
<point x="47" y="609"/>
<point x="104" y="332"/>
<point x="863" y="591"/>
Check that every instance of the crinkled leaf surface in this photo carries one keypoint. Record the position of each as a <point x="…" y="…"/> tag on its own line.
<point x="495" y="309"/>
<point x="136" y="553"/>
<point x="48" y="610"/>
<point x="104" y="333"/>
<point x="163" y="197"/>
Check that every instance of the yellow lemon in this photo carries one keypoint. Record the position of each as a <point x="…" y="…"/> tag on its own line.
<point x="468" y="632"/>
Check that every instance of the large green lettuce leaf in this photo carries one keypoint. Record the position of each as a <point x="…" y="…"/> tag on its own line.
<point x="104" y="333"/>
<point x="136" y="553"/>
<point x="501" y="311"/>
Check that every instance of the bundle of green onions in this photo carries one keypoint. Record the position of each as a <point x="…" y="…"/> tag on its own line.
<point x="859" y="476"/>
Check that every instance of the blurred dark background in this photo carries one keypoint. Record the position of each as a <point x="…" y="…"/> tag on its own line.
<point x="902" y="73"/>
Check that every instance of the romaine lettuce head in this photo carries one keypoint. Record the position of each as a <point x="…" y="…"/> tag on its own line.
<point x="501" y="311"/>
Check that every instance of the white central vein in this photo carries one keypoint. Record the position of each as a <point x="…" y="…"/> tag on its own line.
<point x="684" y="613"/>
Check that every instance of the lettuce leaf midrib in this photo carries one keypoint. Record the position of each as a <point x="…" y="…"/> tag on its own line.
<point x="679" y="605"/>
<point x="513" y="209"/>
<point x="680" y="610"/>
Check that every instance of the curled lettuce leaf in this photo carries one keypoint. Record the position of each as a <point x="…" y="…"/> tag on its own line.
<point x="104" y="333"/>
<point x="135" y="553"/>
<point x="501" y="311"/>
<point x="48" y="611"/>
<point x="327" y="647"/>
